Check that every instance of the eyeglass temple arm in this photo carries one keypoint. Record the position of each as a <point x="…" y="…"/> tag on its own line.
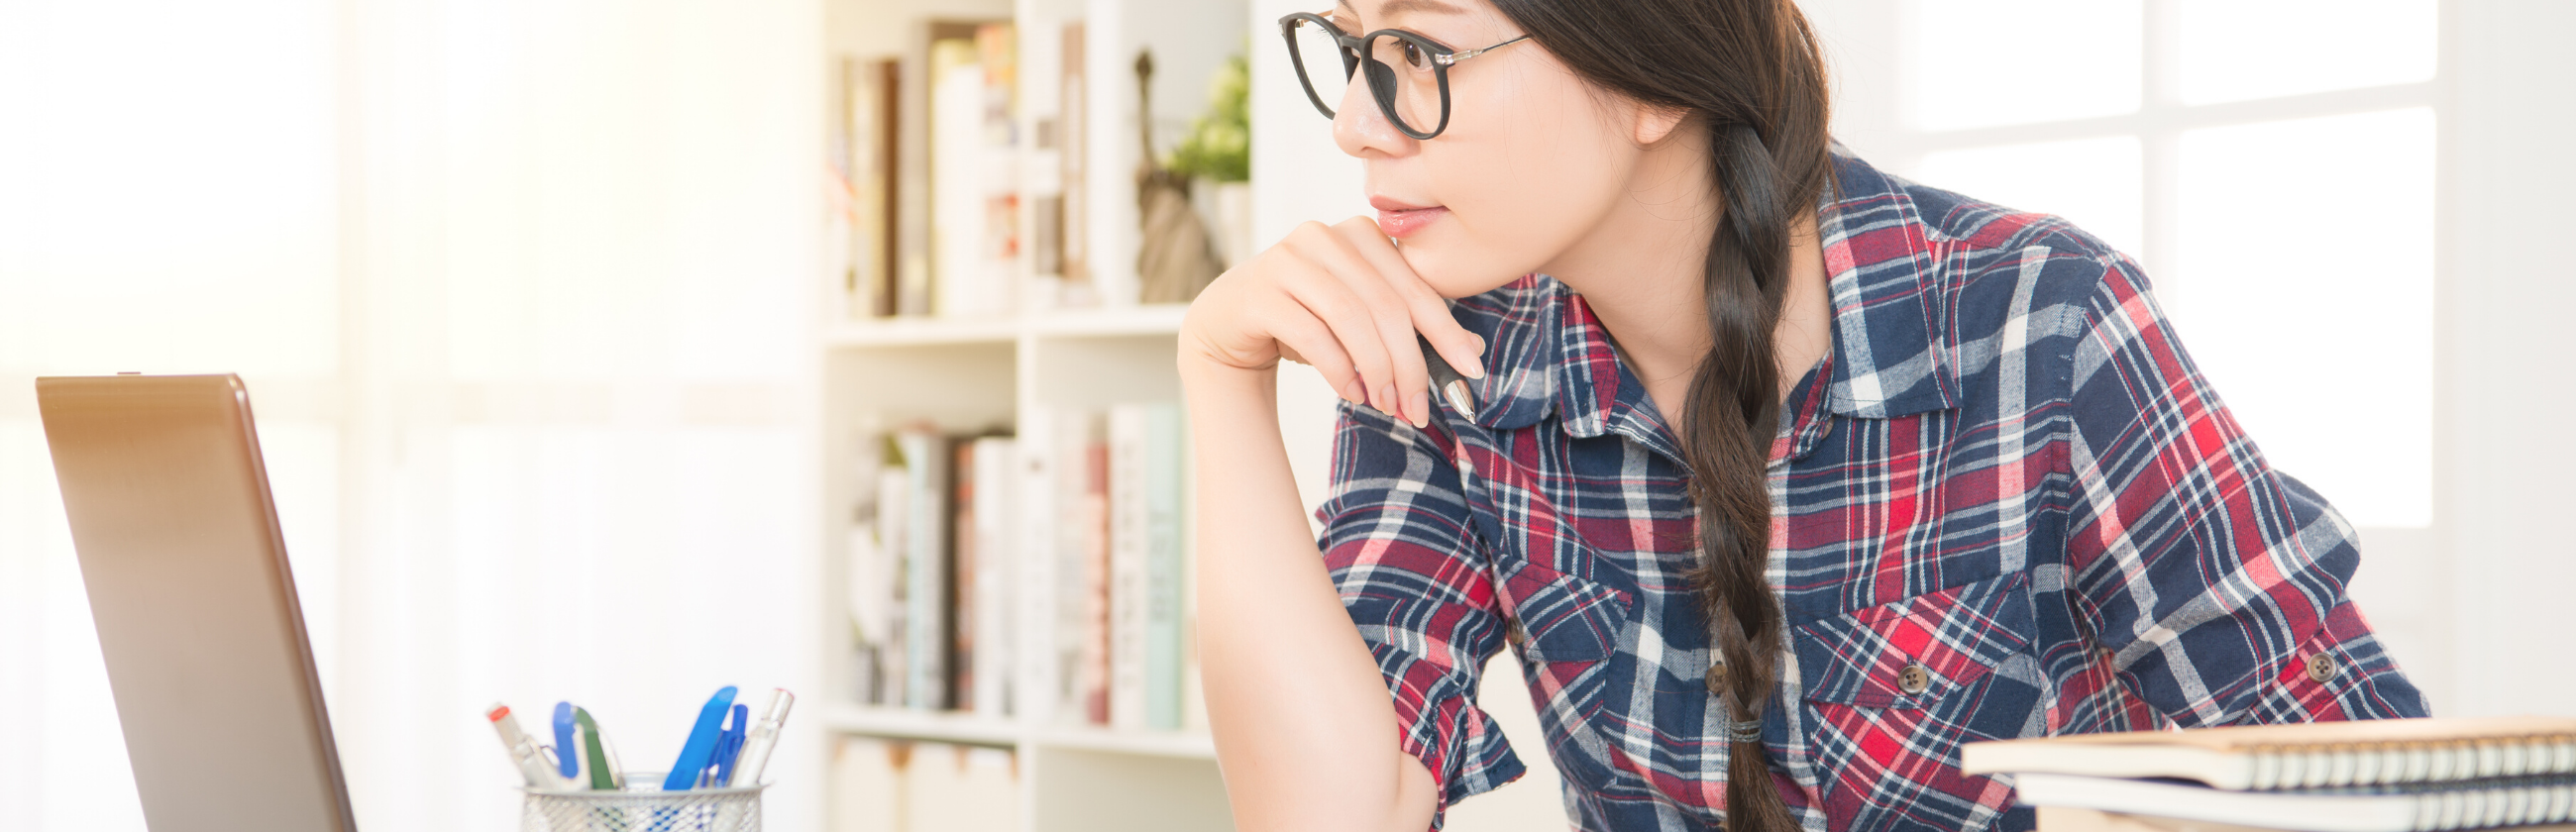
<point x="1455" y="57"/>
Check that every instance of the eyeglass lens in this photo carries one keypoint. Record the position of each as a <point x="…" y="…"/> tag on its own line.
<point x="1402" y="76"/>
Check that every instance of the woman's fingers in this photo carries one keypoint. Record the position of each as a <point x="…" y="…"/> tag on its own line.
<point x="1429" y="312"/>
<point x="1408" y="388"/>
<point x="1325" y="289"/>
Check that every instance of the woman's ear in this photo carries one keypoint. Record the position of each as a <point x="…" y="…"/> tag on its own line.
<point x="1654" y="122"/>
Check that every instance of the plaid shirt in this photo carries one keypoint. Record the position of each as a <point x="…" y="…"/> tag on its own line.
<point x="2005" y="504"/>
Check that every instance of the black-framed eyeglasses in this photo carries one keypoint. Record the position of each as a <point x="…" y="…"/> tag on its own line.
<point x="1408" y="74"/>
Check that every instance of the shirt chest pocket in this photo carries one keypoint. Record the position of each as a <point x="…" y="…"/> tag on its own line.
<point x="1911" y="654"/>
<point x="1904" y="684"/>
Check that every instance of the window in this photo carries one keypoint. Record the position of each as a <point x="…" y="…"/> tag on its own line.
<point x="2270" y="162"/>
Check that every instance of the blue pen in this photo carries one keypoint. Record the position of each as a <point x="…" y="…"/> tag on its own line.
<point x="699" y="751"/>
<point x="567" y="746"/>
<point x="729" y="746"/>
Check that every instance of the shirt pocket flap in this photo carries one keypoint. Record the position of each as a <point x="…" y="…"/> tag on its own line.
<point x="1565" y="618"/>
<point x="1909" y="653"/>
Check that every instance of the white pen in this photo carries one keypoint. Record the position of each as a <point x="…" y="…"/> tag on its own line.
<point x="762" y="737"/>
<point x="523" y="748"/>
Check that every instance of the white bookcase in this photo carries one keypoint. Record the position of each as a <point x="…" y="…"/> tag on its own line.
<point x="971" y="374"/>
<point x="968" y="374"/>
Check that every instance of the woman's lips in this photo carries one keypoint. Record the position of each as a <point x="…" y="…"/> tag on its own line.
<point x="1405" y="221"/>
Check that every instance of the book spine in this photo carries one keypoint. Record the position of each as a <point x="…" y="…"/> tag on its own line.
<point x="1033" y="683"/>
<point x="963" y="605"/>
<point x="1071" y="589"/>
<point x="995" y="459"/>
<point x="1129" y="553"/>
<point x="1095" y="552"/>
<point x="1163" y="576"/>
<point x="926" y="594"/>
<point x="893" y="581"/>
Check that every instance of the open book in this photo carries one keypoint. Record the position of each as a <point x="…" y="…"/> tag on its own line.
<point x="2263" y="757"/>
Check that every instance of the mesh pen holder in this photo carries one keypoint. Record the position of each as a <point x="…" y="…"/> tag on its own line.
<point x="643" y="807"/>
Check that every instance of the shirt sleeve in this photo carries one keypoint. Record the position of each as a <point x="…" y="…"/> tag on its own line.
<point x="1399" y="542"/>
<point x="2216" y="583"/>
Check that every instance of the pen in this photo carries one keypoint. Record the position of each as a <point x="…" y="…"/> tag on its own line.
<point x="568" y="743"/>
<point x="598" y="754"/>
<point x="763" y="737"/>
<point x="700" y="750"/>
<point x="523" y="748"/>
<point x="1453" y="388"/>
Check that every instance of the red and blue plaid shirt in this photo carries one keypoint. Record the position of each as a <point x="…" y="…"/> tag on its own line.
<point x="2005" y="504"/>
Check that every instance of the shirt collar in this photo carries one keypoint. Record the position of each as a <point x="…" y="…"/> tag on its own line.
<point x="1548" y="353"/>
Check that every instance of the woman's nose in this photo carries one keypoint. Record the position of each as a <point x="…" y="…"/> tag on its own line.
<point x="1360" y="128"/>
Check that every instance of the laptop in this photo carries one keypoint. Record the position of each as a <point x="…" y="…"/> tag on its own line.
<point x="195" y="606"/>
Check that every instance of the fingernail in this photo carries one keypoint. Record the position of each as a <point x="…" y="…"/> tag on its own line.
<point x="1355" y="392"/>
<point x="1420" y="408"/>
<point x="1387" y="403"/>
<point x="1474" y="369"/>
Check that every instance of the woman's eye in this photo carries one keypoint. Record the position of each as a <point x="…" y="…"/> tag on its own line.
<point x="1415" y="57"/>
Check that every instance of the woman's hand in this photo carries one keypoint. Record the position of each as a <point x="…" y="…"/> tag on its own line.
<point x="1341" y="298"/>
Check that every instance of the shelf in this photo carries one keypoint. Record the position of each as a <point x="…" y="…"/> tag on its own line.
<point x="908" y="332"/>
<point x="1182" y="744"/>
<point x="1156" y="319"/>
<point x="951" y="727"/>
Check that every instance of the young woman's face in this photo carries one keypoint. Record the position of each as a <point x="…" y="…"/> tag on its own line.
<point x="1533" y="159"/>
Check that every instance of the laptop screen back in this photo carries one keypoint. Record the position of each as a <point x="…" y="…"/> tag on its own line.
<point x="195" y="607"/>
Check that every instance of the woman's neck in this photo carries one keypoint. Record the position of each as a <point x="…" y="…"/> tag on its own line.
<point x="1640" y="272"/>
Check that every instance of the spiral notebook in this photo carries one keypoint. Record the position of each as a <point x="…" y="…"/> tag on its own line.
<point x="2412" y="807"/>
<point x="2311" y="755"/>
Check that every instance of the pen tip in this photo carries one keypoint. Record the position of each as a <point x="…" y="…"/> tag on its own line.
<point x="1460" y="399"/>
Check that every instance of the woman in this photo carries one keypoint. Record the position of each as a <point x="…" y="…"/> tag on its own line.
<point x="1782" y="477"/>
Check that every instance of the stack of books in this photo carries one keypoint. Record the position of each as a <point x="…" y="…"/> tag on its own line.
<point x="2399" y="775"/>
<point x="954" y="535"/>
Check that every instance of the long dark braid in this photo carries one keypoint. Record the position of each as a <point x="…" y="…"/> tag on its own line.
<point x="1749" y="71"/>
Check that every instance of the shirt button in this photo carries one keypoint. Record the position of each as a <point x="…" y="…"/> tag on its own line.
<point x="1717" y="679"/>
<point x="2321" y="668"/>
<point x="1512" y="633"/>
<point x="1913" y="679"/>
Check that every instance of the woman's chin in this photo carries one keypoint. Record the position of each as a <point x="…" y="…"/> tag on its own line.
<point x="1454" y="276"/>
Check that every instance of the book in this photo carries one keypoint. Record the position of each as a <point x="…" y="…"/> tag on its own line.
<point x="2071" y="819"/>
<point x="1073" y="144"/>
<point x="2404" y="807"/>
<point x="1093" y="520"/>
<point x="892" y="680"/>
<point x="863" y="158"/>
<point x="2257" y="757"/>
<point x="1161" y="495"/>
<point x="995" y="460"/>
<point x="1128" y="565"/>
<point x="924" y="454"/>
<point x="1145" y="565"/>
<point x="963" y="602"/>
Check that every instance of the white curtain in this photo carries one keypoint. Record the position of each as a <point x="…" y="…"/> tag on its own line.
<point x="525" y="295"/>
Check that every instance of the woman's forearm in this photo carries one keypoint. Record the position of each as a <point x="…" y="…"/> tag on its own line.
<point x="1305" y="730"/>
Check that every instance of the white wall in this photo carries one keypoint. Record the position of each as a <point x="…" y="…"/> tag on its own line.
<point x="2502" y="380"/>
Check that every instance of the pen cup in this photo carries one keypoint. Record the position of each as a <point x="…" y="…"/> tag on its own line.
<point x="643" y="807"/>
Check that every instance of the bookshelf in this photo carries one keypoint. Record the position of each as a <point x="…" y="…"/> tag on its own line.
<point x="967" y="373"/>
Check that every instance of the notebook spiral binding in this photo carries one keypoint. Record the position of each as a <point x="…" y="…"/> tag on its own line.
<point x="2310" y="765"/>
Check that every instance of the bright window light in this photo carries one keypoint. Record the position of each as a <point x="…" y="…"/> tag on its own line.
<point x="2305" y="263"/>
<point x="2234" y="50"/>
<point x="1983" y="63"/>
